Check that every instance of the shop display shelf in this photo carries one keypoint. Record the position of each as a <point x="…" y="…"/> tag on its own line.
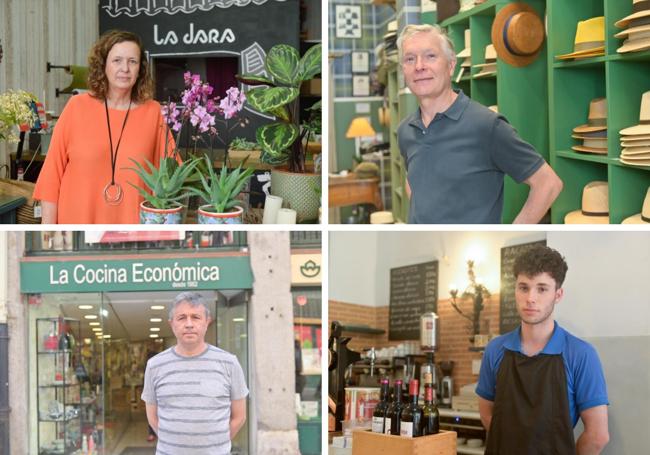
<point x="573" y="155"/>
<point x="67" y="419"/>
<point x="622" y="79"/>
<point x="47" y="386"/>
<point x="62" y="351"/>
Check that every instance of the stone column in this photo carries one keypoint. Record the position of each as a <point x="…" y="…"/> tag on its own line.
<point x="17" y="322"/>
<point x="272" y="345"/>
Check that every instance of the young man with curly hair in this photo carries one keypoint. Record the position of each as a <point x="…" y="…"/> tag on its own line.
<point x="538" y="380"/>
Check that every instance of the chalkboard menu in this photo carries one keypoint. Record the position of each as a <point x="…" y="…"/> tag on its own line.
<point x="413" y="291"/>
<point x="508" y="317"/>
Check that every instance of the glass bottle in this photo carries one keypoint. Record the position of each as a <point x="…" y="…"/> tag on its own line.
<point x="395" y="410"/>
<point x="379" y="415"/>
<point x="411" y="419"/>
<point x="430" y="415"/>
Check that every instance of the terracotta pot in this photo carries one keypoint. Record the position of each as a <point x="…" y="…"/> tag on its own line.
<point x="207" y="215"/>
<point x="150" y="215"/>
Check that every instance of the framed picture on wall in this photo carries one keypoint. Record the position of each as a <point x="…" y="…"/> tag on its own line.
<point x="361" y="85"/>
<point x="348" y="21"/>
<point x="360" y="62"/>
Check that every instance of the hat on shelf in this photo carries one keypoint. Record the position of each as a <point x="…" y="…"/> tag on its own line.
<point x="518" y="34"/>
<point x="637" y="33"/>
<point x="589" y="40"/>
<point x="643" y="128"/>
<point x="593" y="133"/>
<point x="595" y="205"/>
<point x="640" y="10"/>
<point x="466" y="53"/>
<point x="489" y="68"/>
<point x="494" y="108"/>
<point x="639" y="162"/>
<point x="636" y="152"/>
<point x="632" y="144"/>
<point x="382" y="218"/>
<point x="644" y="216"/>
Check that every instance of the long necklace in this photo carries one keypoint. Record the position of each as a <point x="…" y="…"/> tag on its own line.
<point x="113" y="193"/>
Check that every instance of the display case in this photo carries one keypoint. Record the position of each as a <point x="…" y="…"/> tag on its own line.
<point x="60" y="397"/>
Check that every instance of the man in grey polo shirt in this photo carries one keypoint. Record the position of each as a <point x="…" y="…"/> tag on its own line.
<point x="457" y="151"/>
<point x="195" y="393"/>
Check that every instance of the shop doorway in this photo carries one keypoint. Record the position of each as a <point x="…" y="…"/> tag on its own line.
<point x="89" y="360"/>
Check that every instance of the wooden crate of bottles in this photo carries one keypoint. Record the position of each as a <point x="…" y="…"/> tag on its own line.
<point x="368" y="443"/>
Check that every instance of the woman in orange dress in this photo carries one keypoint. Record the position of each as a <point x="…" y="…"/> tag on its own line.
<point x="85" y="178"/>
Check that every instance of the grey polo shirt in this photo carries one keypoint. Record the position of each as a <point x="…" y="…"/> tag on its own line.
<point x="456" y="165"/>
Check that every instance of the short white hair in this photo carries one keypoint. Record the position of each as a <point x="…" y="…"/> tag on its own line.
<point x="412" y="29"/>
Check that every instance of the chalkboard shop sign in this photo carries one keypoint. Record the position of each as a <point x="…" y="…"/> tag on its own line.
<point x="508" y="317"/>
<point x="413" y="291"/>
<point x="245" y="29"/>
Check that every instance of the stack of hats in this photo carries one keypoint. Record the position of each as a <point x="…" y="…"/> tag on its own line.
<point x="466" y="55"/>
<point x="637" y="33"/>
<point x="390" y="39"/>
<point x="589" y="40"/>
<point x="644" y="216"/>
<point x="635" y="140"/>
<point x="489" y="68"/>
<point x="594" y="133"/>
<point x="595" y="205"/>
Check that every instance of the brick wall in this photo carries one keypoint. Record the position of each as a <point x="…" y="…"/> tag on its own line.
<point x="454" y="332"/>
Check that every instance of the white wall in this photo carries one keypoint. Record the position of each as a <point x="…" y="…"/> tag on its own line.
<point x="352" y="265"/>
<point x="607" y="285"/>
<point x="360" y="262"/>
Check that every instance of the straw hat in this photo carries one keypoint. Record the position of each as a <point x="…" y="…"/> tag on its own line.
<point x="595" y="205"/>
<point x="467" y="52"/>
<point x="488" y="68"/>
<point x="644" y="216"/>
<point x="638" y="138"/>
<point x="636" y="151"/>
<point x="589" y="40"/>
<point x="644" y="162"/>
<point x="637" y="41"/>
<point x="640" y="9"/>
<point x="381" y="218"/>
<point x="596" y="119"/>
<point x="643" y="128"/>
<point x="518" y="34"/>
<point x="634" y="144"/>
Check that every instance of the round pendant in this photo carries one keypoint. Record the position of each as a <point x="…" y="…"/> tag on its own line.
<point x="113" y="193"/>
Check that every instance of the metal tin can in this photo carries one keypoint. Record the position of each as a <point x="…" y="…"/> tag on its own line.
<point x="429" y="331"/>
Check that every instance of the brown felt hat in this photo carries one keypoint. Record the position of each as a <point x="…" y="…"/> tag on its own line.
<point x="518" y="34"/>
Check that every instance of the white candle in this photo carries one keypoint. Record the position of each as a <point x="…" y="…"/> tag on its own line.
<point x="286" y="216"/>
<point x="271" y="206"/>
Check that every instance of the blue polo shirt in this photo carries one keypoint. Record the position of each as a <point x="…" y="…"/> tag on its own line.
<point x="457" y="163"/>
<point x="585" y="379"/>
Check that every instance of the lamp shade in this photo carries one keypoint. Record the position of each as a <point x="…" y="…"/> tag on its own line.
<point x="360" y="127"/>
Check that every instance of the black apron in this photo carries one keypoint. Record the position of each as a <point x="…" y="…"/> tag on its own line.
<point x="531" y="408"/>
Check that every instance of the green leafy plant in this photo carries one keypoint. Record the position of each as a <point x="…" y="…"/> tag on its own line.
<point x="282" y="140"/>
<point x="240" y="143"/>
<point x="166" y="182"/>
<point x="220" y="191"/>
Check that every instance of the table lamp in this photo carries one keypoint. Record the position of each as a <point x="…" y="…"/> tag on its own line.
<point x="359" y="127"/>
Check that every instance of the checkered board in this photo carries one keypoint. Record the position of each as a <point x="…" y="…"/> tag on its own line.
<point x="348" y="21"/>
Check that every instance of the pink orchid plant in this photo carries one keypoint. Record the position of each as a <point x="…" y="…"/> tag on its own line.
<point x="205" y="112"/>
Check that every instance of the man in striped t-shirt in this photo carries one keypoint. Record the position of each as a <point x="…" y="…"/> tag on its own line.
<point x="195" y="393"/>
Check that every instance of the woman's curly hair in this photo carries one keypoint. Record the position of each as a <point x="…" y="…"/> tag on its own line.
<point x="98" y="82"/>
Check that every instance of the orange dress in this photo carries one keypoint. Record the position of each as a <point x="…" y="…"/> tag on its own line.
<point x="78" y="162"/>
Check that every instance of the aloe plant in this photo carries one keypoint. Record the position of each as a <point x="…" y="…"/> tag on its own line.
<point x="220" y="191"/>
<point x="282" y="140"/>
<point x="166" y="182"/>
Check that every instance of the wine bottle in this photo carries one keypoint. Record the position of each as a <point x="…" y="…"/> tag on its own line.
<point x="430" y="415"/>
<point x="379" y="415"/>
<point x="395" y="410"/>
<point x="411" y="419"/>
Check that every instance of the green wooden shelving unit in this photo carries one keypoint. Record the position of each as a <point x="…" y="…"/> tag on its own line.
<point x="622" y="79"/>
<point x="520" y="93"/>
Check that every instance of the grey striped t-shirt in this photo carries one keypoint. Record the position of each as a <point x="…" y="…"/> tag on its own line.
<point x="193" y="396"/>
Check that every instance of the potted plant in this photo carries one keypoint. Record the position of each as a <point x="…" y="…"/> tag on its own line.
<point x="220" y="192"/>
<point x="166" y="184"/>
<point x="15" y="110"/>
<point x="282" y="141"/>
